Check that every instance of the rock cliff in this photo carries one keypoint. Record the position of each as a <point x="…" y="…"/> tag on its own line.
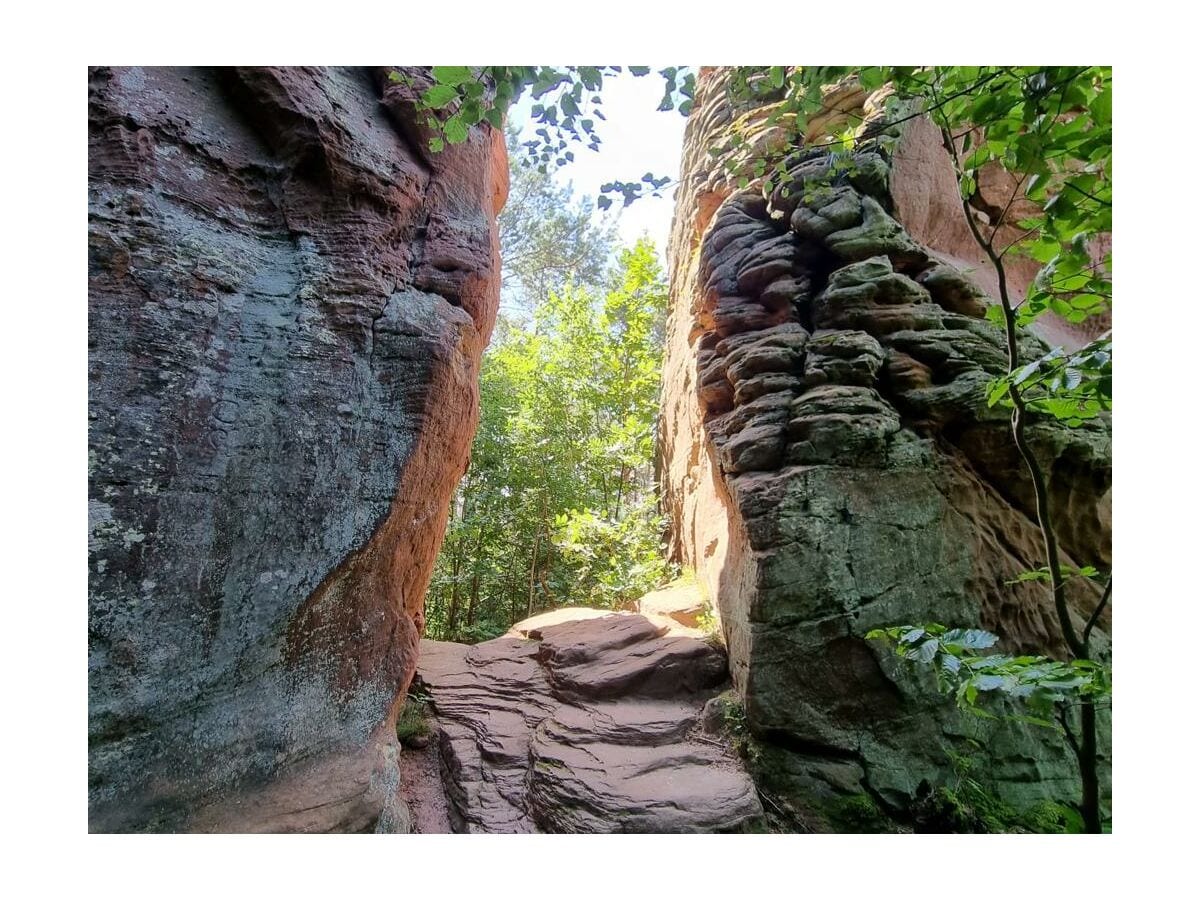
<point x="830" y="466"/>
<point x="288" y="298"/>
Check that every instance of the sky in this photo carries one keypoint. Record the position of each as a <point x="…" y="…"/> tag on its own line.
<point x="636" y="138"/>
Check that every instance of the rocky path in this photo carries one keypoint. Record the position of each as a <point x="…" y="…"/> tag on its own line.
<point x="585" y="726"/>
<point x="421" y="781"/>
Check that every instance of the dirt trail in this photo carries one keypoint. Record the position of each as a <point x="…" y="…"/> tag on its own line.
<point x="421" y="779"/>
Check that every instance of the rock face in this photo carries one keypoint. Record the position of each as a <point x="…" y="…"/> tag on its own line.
<point x="288" y="298"/>
<point x="681" y="603"/>
<point x="586" y="726"/>
<point x="830" y="466"/>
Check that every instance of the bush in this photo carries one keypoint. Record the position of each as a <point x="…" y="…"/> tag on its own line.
<point x="858" y="814"/>
<point x="479" y="632"/>
<point x="412" y="725"/>
<point x="970" y="807"/>
<point x="614" y="562"/>
<point x="733" y="722"/>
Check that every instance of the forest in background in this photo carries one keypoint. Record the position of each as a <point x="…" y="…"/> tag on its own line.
<point x="559" y="505"/>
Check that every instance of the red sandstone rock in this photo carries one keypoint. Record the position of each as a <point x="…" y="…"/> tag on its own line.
<point x="594" y="728"/>
<point x="288" y="298"/>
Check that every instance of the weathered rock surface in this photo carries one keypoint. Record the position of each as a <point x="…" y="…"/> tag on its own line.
<point x="830" y="466"/>
<point x="925" y="198"/>
<point x="288" y="298"/>
<point x="683" y="603"/>
<point x="593" y="727"/>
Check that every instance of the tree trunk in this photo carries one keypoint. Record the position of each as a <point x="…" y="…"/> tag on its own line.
<point x="473" y="602"/>
<point x="512" y="585"/>
<point x="452" y="615"/>
<point x="1089" y="774"/>
<point x="533" y="572"/>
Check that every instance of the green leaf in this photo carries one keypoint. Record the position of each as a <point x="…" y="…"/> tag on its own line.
<point x="988" y="682"/>
<point x="1022" y="374"/>
<point x="1102" y="108"/>
<point x="997" y="391"/>
<point x="970" y="638"/>
<point x="439" y="95"/>
<point x="455" y="130"/>
<point x="471" y="112"/>
<point x="590" y="76"/>
<point x="452" y="75"/>
<point x="927" y="651"/>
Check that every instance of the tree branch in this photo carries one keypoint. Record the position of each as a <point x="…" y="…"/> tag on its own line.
<point x="1095" y="617"/>
<point x="1019" y="421"/>
<point x="1066" y="726"/>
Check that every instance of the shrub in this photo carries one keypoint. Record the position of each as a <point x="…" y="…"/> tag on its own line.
<point x="412" y="726"/>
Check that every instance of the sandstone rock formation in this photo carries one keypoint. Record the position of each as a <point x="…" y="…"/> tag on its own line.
<point x="288" y="298"/>
<point x="830" y="466"/>
<point x="590" y="725"/>
<point x="680" y="603"/>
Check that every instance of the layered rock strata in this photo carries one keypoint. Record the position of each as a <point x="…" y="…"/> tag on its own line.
<point x="830" y="466"/>
<point x="288" y="298"/>
<point x="585" y="726"/>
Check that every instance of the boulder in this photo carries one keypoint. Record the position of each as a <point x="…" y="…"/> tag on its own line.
<point x="682" y="602"/>
<point x="532" y="627"/>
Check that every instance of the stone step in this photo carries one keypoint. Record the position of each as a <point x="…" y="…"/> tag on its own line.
<point x="592" y="726"/>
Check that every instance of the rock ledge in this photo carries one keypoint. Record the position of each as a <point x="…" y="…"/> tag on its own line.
<point x="593" y="728"/>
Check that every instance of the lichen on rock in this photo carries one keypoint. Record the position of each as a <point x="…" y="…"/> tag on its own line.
<point x="852" y="476"/>
<point x="288" y="298"/>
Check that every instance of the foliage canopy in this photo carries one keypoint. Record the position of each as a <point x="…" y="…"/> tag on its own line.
<point x="559" y="504"/>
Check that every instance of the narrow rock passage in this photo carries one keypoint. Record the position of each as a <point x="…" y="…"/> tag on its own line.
<point x="586" y="726"/>
<point x="421" y="782"/>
